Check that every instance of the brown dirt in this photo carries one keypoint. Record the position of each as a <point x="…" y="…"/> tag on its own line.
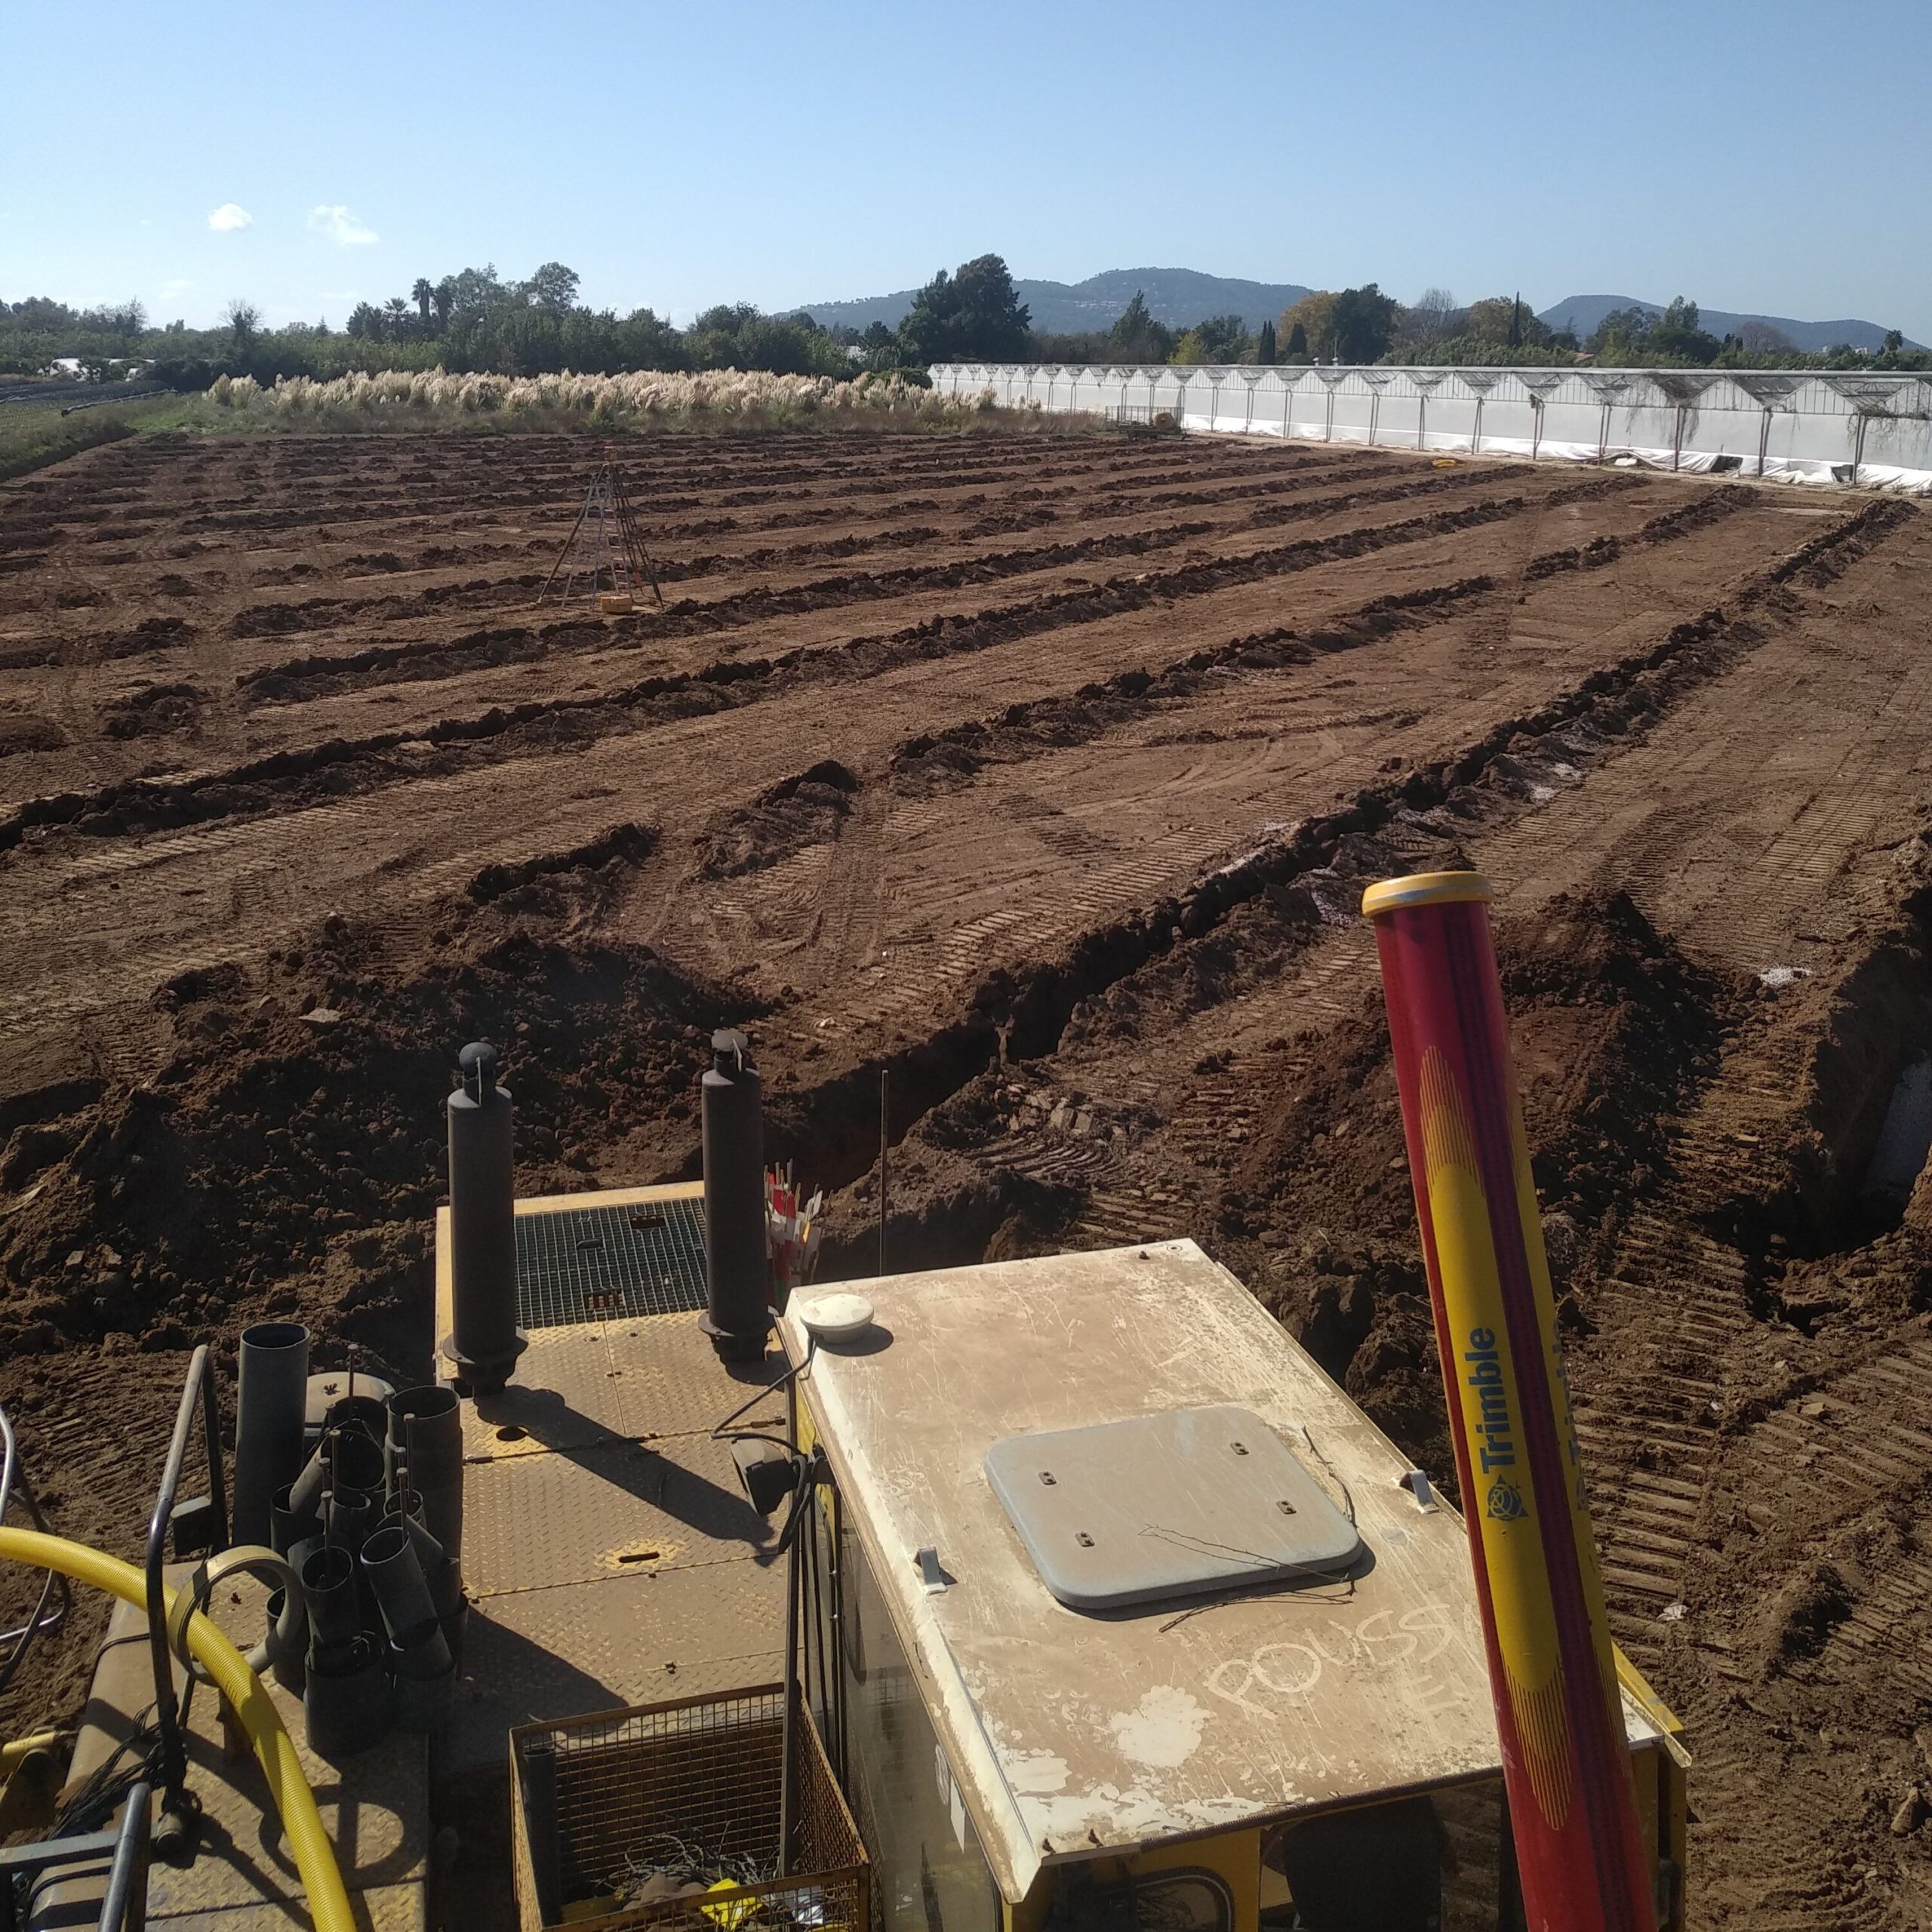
<point x="1043" y="777"/>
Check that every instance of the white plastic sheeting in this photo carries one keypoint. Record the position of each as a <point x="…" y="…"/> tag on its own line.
<point x="1810" y="426"/>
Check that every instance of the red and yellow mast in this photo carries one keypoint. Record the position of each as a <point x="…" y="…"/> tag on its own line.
<point x="1566" y="1763"/>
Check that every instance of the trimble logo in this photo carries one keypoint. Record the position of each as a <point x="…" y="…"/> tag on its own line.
<point x="1497" y="1448"/>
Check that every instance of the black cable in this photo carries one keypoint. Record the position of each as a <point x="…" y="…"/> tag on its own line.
<point x="91" y="1807"/>
<point x="724" y="1432"/>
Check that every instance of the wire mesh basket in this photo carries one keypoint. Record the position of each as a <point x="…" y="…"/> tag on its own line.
<point x="668" y="1815"/>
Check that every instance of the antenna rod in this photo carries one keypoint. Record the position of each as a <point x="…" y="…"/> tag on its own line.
<point x="884" y="1142"/>
<point x="567" y="542"/>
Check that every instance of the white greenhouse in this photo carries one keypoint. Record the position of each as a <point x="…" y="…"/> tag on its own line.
<point x="1866" y="428"/>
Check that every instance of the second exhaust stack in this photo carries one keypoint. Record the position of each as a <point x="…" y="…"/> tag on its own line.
<point x="484" y="1341"/>
<point x="737" y="1267"/>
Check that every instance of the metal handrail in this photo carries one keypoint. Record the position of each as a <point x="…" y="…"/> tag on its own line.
<point x="124" y="1905"/>
<point x="170" y="1712"/>
<point x="14" y="1643"/>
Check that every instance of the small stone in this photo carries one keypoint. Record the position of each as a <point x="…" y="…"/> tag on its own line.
<point x="77" y="1258"/>
<point x="1910" y="1814"/>
<point x="321" y="1015"/>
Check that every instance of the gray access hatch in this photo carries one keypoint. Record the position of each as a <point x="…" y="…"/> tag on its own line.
<point x="1167" y="1505"/>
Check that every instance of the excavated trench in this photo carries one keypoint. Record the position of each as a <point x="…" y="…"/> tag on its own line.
<point x="1850" y="1176"/>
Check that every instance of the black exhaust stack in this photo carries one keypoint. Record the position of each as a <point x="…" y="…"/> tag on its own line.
<point x="485" y="1341"/>
<point x="737" y="1267"/>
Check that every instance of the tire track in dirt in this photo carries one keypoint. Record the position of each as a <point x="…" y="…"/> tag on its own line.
<point x="1030" y="1005"/>
<point x="298" y="679"/>
<point x="279" y="781"/>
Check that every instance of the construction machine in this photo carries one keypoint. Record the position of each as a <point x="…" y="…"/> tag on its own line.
<point x="1062" y="1594"/>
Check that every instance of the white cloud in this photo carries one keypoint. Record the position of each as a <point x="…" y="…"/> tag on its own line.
<point x="229" y="217"/>
<point x="175" y="285"/>
<point x="340" y="226"/>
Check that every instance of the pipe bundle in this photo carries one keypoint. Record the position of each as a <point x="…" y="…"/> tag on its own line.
<point x="372" y="1527"/>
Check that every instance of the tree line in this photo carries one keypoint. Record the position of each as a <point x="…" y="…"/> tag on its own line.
<point x="476" y="320"/>
<point x="1364" y="325"/>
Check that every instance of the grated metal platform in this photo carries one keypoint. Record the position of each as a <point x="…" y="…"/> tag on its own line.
<point x="593" y="1263"/>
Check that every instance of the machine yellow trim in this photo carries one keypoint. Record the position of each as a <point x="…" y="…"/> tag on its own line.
<point x="1670" y="1726"/>
<point x="1390" y="895"/>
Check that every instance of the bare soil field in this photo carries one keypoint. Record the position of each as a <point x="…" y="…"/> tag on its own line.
<point x="1043" y="775"/>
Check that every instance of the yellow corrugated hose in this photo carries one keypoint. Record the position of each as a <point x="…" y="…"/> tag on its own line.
<point x="309" y="1843"/>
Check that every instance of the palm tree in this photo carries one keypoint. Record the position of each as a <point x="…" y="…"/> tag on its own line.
<point x="422" y="295"/>
<point x="396" y="313"/>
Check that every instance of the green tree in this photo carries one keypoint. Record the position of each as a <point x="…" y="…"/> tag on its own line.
<point x="476" y="291"/>
<point x="1363" y="322"/>
<point x="1313" y="319"/>
<point x="879" y="346"/>
<point x="1264" y="344"/>
<point x="1894" y="341"/>
<point x="1676" y="334"/>
<point x="1225" y="337"/>
<point x="1297" y="349"/>
<point x="1136" y="337"/>
<point x="975" y="313"/>
<point x="127" y="322"/>
<point x="443" y="295"/>
<point x="423" y="295"/>
<point x="1503" y="319"/>
<point x="553" y="288"/>
<point x="1215" y="339"/>
<point x="244" y="322"/>
<point x="1622" y="336"/>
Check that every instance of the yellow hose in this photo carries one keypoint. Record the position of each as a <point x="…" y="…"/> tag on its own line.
<point x="11" y="1755"/>
<point x="314" y="1856"/>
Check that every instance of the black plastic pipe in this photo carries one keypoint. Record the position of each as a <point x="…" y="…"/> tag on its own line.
<point x="484" y="1341"/>
<point x="402" y="1594"/>
<point x="737" y="1268"/>
<point x="288" y="1526"/>
<point x="426" y="1425"/>
<point x="405" y="1511"/>
<point x="346" y="1699"/>
<point x="327" y="1576"/>
<point x="272" y="1400"/>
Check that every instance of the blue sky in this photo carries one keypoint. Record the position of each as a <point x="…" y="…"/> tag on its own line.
<point x="1761" y="156"/>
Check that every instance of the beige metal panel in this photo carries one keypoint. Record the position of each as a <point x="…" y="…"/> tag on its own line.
<point x="532" y="1522"/>
<point x="381" y="1909"/>
<point x="1074" y="1733"/>
<point x="374" y="1806"/>
<point x="538" y="1655"/>
<point x="595" y="1383"/>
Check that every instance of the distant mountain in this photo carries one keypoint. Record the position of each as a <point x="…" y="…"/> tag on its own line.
<point x="1583" y="313"/>
<point x="1177" y="296"/>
